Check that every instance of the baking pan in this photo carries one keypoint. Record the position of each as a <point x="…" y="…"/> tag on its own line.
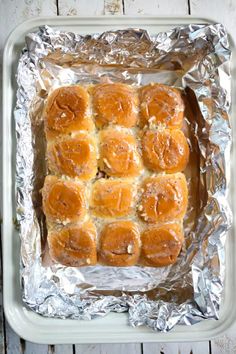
<point x="114" y="327"/>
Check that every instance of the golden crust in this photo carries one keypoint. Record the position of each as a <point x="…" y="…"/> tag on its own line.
<point x="119" y="156"/>
<point x="119" y="244"/>
<point x="165" y="151"/>
<point x="161" y="105"/>
<point x="164" y="198"/>
<point x="73" y="246"/>
<point x="66" y="111"/>
<point x="73" y="157"/>
<point x="111" y="198"/>
<point x="115" y="103"/>
<point x="63" y="201"/>
<point x="161" y="245"/>
<point x="74" y="152"/>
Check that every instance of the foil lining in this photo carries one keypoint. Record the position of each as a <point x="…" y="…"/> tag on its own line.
<point x="194" y="57"/>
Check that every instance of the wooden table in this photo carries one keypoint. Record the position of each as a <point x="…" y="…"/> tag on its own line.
<point x="14" y="12"/>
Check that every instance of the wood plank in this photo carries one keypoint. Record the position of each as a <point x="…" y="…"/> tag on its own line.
<point x="16" y="12"/>
<point x="155" y="7"/>
<point x="80" y="7"/>
<point x="113" y="7"/>
<point x="225" y="344"/>
<point x="13" y="342"/>
<point x="96" y="7"/>
<point x="32" y="348"/>
<point x="176" y="348"/>
<point x="63" y="349"/>
<point x="108" y="349"/>
<point x="2" y="322"/>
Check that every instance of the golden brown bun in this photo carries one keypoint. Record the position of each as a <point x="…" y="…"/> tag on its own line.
<point x="164" y="198"/>
<point x="73" y="246"/>
<point x="118" y="154"/>
<point x="73" y="157"/>
<point x="119" y="244"/>
<point x="114" y="104"/>
<point x="66" y="111"/>
<point x="63" y="201"/>
<point x="161" y="245"/>
<point x="161" y="104"/>
<point x="111" y="198"/>
<point x="165" y="151"/>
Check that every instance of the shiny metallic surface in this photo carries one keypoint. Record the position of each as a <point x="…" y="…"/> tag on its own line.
<point x="195" y="58"/>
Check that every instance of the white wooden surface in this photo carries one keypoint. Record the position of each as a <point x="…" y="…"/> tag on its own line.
<point x="12" y="12"/>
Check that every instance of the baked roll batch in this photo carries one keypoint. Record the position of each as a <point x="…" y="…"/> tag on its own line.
<point x="115" y="193"/>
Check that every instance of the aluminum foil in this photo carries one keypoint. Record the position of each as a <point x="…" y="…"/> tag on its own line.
<point x="194" y="57"/>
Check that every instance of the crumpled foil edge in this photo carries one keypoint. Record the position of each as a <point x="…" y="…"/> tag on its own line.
<point x="40" y="291"/>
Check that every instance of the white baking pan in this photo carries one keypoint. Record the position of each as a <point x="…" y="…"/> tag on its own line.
<point x="113" y="328"/>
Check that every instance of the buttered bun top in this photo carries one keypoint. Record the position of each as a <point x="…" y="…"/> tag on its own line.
<point x="115" y="104"/>
<point x="161" y="105"/>
<point x="115" y="193"/>
<point x="66" y="111"/>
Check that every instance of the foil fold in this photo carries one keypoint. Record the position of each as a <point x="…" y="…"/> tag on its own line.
<point x="194" y="57"/>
